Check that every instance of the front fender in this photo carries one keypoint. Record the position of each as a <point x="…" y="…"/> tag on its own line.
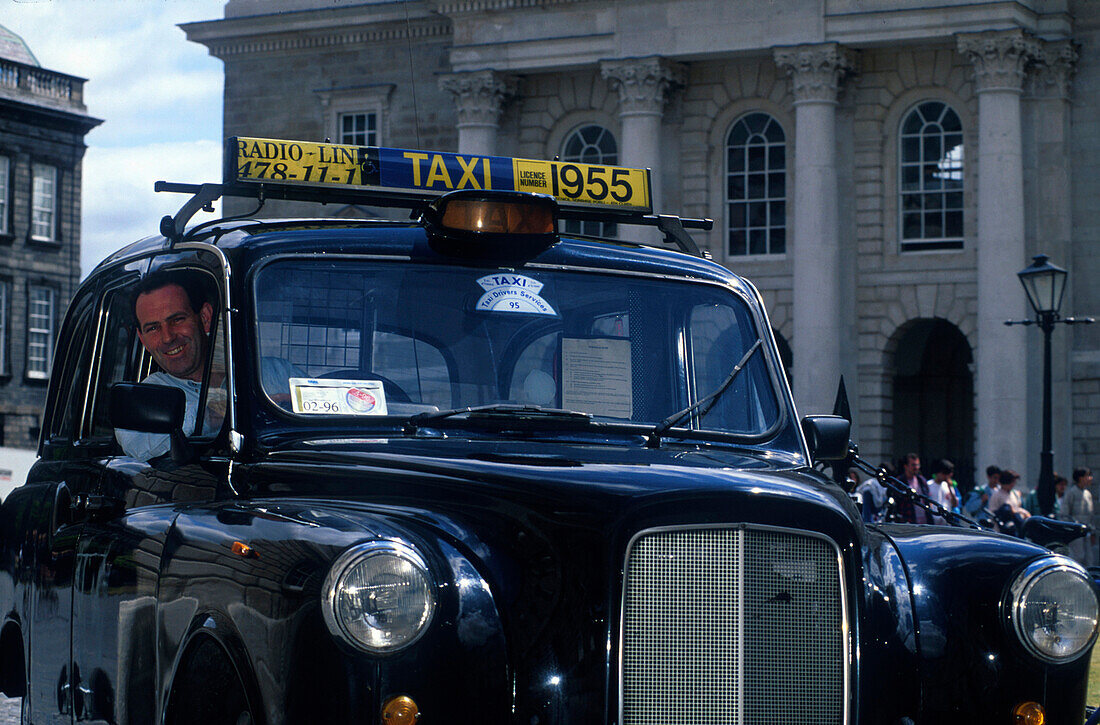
<point x="263" y="599"/>
<point x="971" y="664"/>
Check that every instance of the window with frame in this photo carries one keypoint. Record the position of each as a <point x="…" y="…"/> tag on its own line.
<point x="40" y="331"/>
<point x="5" y="190"/>
<point x="44" y="203"/>
<point x="590" y="144"/>
<point x="756" y="186"/>
<point x="5" y="296"/>
<point x="930" y="178"/>
<point x="359" y="129"/>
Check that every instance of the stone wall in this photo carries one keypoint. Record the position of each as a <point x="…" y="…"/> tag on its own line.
<point x="26" y="262"/>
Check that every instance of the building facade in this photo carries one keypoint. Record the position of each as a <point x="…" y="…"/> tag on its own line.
<point x="880" y="169"/>
<point x="43" y="122"/>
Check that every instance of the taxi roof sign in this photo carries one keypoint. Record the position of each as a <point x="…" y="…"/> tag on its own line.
<point x="431" y="173"/>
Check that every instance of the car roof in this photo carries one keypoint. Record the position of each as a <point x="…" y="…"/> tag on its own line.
<point x="246" y="242"/>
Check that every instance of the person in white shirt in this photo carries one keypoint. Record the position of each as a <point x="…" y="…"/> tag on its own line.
<point x="174" y="320"/>
<point x="1006" y="495"/>
<point x="1077" y="505"/>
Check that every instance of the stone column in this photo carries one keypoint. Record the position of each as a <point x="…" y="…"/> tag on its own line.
<point x="1049" y="224"/>
<point x="815" y="72"/>
<point x="479" y="97"/>
<point x="643" y="85"/>
<point x="1001" y="412"/>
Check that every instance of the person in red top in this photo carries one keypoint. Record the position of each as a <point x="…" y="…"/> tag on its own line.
<point x="910" y="474"/>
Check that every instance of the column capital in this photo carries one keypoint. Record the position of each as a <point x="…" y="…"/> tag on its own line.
<point x="1052" y="73"/>
<point x="643" y="83"/>
<point x="479" y="95"/>
<point x="816" y="70"/>
<point x="999" y="57"/>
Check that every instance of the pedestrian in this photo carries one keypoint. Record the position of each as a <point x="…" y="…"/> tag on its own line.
<point x="873" y="499"/>
<point x="1077" y="506"/>
<point x="944" y="477"/>
<point x="1006" y="505"/>
<point x="910" y="475"/>
<point x="1031" y="501"/>
<point x="1060" y="485"/>
<point x="978" y="498"/>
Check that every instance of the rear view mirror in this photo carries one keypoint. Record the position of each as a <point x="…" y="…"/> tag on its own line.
<point x="146" y="407"/>
<point x="152" y="408"/>
<point x="827" y="436"/>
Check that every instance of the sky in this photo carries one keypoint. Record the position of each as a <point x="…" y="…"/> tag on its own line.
<point x="159" y="95"/>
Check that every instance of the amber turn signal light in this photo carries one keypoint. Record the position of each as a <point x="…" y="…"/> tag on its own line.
<point x="400" y="710"/>
<point x="1029" y="713"/>
<point x="516" y="216"/>
<point x="242" y="549"/>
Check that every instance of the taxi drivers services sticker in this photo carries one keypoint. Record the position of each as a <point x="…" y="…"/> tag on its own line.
<point x="337" y="397"/>
<point x="512" y="293"/>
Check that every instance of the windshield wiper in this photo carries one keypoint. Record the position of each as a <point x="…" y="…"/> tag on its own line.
<point x="696" y="409"/>
<point x="506" y="411"/>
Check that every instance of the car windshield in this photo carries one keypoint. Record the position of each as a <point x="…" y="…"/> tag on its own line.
<point x="368" y="338"/>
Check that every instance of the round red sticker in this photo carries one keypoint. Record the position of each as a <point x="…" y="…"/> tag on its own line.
<point x="361" y="401"/>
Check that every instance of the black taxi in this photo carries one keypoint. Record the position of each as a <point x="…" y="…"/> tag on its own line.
<point x="473" y="468"/>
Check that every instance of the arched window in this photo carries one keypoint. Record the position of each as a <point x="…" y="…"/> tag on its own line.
<point x="930" y="178"/>
<point x="756" y="186"/>
<point x="590" y="144"/>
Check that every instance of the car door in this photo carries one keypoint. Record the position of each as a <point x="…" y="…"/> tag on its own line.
<point x="65" y="471"/>
<point x="114" y="600"/>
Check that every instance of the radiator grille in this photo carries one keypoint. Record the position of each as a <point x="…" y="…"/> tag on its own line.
<point x="740" y="626"/>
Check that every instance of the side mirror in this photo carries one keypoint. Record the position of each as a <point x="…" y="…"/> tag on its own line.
<point x="827" y="436"/>
<point x="151" y="408"/>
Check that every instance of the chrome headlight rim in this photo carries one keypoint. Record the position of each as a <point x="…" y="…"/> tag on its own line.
<point x="1023" y="585"/>
<point x="352" y="558"/>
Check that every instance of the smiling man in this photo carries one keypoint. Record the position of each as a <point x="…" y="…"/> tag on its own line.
<point x="174" y="318"/>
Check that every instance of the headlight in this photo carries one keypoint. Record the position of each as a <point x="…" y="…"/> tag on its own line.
<point x="379" y="596"/>
<point x="1054" y="609"/>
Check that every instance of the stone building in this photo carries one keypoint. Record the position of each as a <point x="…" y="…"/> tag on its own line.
<point x="881" y="169"/>
<point x="42" y="126"/>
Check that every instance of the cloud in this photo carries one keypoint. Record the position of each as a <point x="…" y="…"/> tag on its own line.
<point x="160" y="98"/>
<point x="145" y="79"/>
<point x="120" y="205"/>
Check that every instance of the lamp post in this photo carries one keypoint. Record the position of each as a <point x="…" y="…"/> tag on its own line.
<point x="1045" y="284"/>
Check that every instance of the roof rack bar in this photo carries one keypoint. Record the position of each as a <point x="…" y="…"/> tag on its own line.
<point x="203" y="196"/>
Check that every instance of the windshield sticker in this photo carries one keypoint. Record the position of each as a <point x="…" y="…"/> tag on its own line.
<point x="512" y="293"/>
<point x="596" y="376"/>
<point x="337" y="397"/>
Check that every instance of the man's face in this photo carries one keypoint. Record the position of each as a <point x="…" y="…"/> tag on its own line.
<point x="172" y="332"/>
<point x="1085" y="481"/>
<point x="912" y="467"/>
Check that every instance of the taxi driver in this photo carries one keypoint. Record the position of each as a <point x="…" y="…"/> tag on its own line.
<point x="174" y="320"/>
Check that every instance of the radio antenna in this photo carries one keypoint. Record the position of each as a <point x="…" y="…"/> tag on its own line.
<point x="412" y="73"/>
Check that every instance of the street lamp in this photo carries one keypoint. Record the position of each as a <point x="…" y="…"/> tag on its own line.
<point x="1045" y="284"/>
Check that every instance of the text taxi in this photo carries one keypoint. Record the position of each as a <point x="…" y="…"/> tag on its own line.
<point x="471" y="469"/>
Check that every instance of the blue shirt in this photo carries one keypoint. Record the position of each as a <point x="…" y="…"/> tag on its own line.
<point x="275" y="375"/>
<point x="146" y="446"/>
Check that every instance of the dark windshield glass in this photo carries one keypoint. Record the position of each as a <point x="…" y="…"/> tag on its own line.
<point x="375" y="338"/>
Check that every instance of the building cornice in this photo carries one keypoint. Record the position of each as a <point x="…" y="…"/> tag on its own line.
<point x="322" y="28"/>
<point x="458" y="7"/>
<point x="46" y="116"/>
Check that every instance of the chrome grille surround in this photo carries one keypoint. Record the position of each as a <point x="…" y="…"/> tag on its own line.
<point x="738" y="624"/>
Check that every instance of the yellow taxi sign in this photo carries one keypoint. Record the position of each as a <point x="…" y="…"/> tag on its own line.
<point x="303" y="163"/>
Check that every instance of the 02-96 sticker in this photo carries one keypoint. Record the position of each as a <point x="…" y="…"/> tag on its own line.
<point x="513" y="293"/>
<point x="337" y="397"/>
